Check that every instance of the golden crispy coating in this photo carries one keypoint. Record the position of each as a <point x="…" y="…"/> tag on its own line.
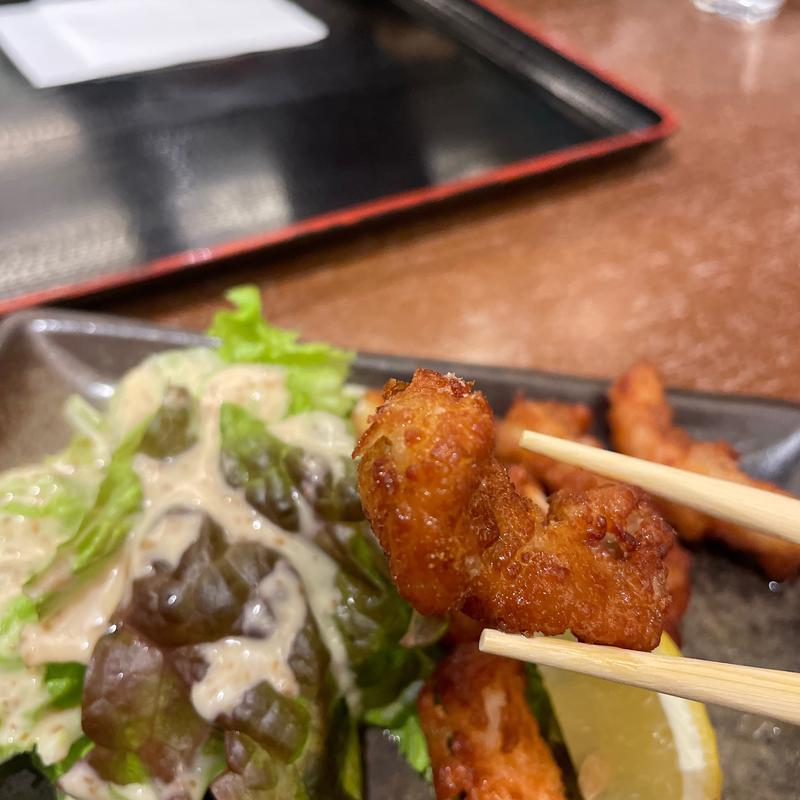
<point x="641" y="425"/>
<point x="422" y="460"/>
<point x="460" y="537"/>
<point x="483" y="741"/>
<point x="679" y="587"/>
<point x="364" y="408"/>
<point x="527" y="485"/>
<point x="572" y="421"/>
<point x="565" y="420"/>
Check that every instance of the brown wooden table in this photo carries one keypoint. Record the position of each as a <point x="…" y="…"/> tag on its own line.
<point x="687" y="253"/>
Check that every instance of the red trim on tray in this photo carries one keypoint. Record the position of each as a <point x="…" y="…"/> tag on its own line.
<point x="524" y="23"/>
<point x="353" y="215"/>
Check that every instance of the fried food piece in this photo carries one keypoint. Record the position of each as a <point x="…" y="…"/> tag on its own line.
<point x="641" y="425"/>
<point x="364" y="408"/>
<point x="679" y="587"/>
<point x="527" y="485"/>
<point x="460" y="537"/>
<point x="564" y="420"/>
<point x="572" y="421"/>
<point x="483" y="741"/>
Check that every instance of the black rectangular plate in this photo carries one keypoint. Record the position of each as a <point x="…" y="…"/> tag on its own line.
<point x="735" y="614"/>
<point x="116" y="181"/>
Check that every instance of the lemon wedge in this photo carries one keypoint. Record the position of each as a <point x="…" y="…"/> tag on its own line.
<point x="633" y="744"/>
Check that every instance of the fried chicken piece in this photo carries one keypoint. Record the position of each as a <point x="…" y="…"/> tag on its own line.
<point x="572" y="421"/>
<point x="527" y="485"/>
<point x="365" y="407"/>
<point x="679" y="587"/>
<point x="483" y="741"/>
<point x="641" y="425"/>
<point x="564" y="420"/>
<point x="460" y="537"/>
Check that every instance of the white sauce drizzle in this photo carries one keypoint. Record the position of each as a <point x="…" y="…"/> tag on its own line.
<point x="166" y="542"/>
<point x="83" y="783"/>
<point x="141" y="391"/>
<point x="193" y="480"/>
<point x="26" y="545"/>
<point x="71" y="633"/>
<point x="22" y="693"/>
<point x="237" y="664"/>
<point x="320" y="434"/>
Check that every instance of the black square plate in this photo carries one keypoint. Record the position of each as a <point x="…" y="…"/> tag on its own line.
<point x="735" y="614"/>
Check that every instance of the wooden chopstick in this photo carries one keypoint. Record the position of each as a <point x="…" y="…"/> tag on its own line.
<point x="767" y="692"/>
<point x="764" y="511"/>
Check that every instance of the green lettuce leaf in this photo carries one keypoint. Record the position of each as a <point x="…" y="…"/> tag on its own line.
<point x="343" y="755"/>
<point x="255" y="460"/>
<point x="400" y="720"/>
<point x="99" y="535"/>
<point x="373" y="619"/>
<point x="17" y="614"/>
<point x="412" y="745"/>
<point x="316" y="371"/>
<point x="65" y="500"/>
<point x="64" y="683"/>
<point x="88" y="423"/>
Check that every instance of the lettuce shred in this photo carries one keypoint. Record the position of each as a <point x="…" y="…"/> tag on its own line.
<point x="17" y="614"/>
<point x="316" y="371"/>
<point x="64" y="684"/>
<point x="100" y="534"/>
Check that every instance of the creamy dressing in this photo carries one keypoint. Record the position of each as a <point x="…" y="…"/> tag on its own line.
<point x="26" y="545"/>
<point x="71" y="633"/>
<point x="237" y="664"/>
<point x="319" y="434"/>
<point x="193" y="480"/>
<point x="165" y="542"/>
<point x="83" y="783"/>
<point x="259" y="389"/>
<point x="140" y="393"/>
<point x="22" y="694"/>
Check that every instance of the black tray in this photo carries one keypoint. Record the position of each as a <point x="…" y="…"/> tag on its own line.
<point x="119" y="180"/>
<point x="735" y="614"/>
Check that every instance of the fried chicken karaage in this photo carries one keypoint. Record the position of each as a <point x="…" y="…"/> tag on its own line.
<point x="459" y="536"/>
<point x="641" y="425"/>
<point x="483" y="741"/>
<point x="572" y="421"/>
<point x="564" y="420"/>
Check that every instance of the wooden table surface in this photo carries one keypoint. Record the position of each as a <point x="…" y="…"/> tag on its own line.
<point x="687" y="253"/>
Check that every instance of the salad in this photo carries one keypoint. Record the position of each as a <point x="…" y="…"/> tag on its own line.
<point x="191" y="595"/>
<point x="192" y="599"/>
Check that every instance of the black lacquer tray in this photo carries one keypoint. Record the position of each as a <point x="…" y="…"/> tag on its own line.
<point x="114" y="181"/>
